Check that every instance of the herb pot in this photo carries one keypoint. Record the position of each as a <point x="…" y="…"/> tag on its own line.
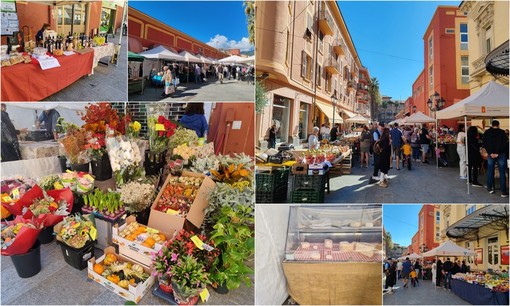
<point x="80" y="167"/>
<point x="46" y="235"/>
<point x="28" y="264"/>
<point x="102" y="169"/>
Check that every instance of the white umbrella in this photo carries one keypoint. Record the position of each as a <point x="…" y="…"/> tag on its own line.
<point x="420" y="117"/>
<point x="248" y="60"/>
<point x="357" y="119"/>
<point x="161" y="52"/>
<point x="411" y="256"/>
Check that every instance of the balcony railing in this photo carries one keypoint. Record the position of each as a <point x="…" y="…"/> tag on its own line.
<point x="331" y="66"/>
<point x="478" y="66"/>
<point x="325" y="22"/>
<point x="339" y="46"/>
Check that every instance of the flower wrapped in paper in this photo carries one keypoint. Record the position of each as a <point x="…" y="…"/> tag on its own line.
<point x="76" y="231"/>
<point x="84" y="182"/>
<point x="125" y="159"/>
<point x="19" y="235"/>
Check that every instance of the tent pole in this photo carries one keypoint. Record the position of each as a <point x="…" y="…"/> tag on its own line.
<point x="437" y="145"/>
<point x="466" y="149"/>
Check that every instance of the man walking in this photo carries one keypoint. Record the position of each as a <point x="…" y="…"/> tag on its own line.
<point x="406" y="269"/>
<point x="399" y="269"/>
<point x="198" y="71"/>
<point x="447" y="272"/>
<point x="494" y="141"/>
<point x="396" y="144"/>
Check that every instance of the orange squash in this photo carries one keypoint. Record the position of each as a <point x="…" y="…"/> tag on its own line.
<point x="109" y="259"/>
<point x="162" y="237"/>
<point x="98" y="268"/>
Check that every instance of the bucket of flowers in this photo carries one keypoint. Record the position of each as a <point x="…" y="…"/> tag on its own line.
<point x="125" y="159"/>
<point x="160" y="129"/>
<point x="74" y="144"/>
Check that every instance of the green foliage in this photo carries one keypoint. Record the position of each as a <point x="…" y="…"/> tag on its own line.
<point x="261" y="99"/>
<point x="249" y="10"/>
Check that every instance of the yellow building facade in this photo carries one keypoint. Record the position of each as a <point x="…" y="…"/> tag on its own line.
<point x="482" y="228"/>
<point x="304" y="55"/>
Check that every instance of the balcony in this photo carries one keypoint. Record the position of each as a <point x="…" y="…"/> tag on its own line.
<point x="331" y="66"/>
<point x="325" y="22"/>
<point x="478" y="66"/>
<point x="339" y="47"/>
<point x="351" y="87"/>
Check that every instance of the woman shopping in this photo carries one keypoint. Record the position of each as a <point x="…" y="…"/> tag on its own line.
<point x="461" y="150"/>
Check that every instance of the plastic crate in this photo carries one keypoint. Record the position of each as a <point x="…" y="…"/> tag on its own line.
<point x="268" y="182"/>
<point x="306" y="182"/>
<point x="307" y="196"/>
<point x="276" y="196"/>
<point x="77" y="258"/>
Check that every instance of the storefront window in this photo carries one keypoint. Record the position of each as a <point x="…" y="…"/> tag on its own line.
<point x="493" y="251"/>
<point x="303" y="120"/>
<point x="281" y="114"/>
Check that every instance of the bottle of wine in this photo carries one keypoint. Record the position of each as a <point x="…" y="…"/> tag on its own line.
<point x="51" y="45"/>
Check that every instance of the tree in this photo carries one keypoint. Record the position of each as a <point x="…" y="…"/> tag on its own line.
<point x="249" y="10"/>
<point x="375" y="97"/>
<point x="261" y="99"/>
<point x="388" y="243"/>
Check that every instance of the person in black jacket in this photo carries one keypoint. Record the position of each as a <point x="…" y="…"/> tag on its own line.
<point x="10" y="144"/>
<point x="447" y="272"/>
<point x="494" y="141"/>
<point x="439" y="273"/>
<point x="384" y="157"/>
<point x="474" y="157"/>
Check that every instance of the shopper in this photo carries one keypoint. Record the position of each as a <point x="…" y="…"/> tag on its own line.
<point x="376" y="136"/>
<point x="396" y="144"/>
<point x="399" y="269"/>
<point x="415" y="145"/>
<point x="424" y="143"/>
<point x="198" y="71"/>
<point x="324" y="131"/>
<point x="49" y="118"/>
<point x="406" y="269"/>
<point x="439" y="272"/>
<point x="194" y="119"/>
<point x="384" y="157"/>
<point x="463" y="267"/>
<point x="474" y="158"/>
<point x="10" y="145"/>
<point x="496" y="144"/>
<point x="334" y="133"/>
<point x="461" y="150"/>
<point x="313" y="139"/>
<point x="364" y="146"/>
<point x="434" y="271"/>
<point x="272" y="136"/>
<point x="447" y="272"/>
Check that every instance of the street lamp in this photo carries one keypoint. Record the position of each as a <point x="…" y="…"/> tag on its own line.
<point x="439" y="102"/>
<point x="334" y="101"/>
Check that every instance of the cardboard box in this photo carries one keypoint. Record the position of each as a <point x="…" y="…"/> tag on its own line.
<point x="300" y="169"/>
<point x="132" y="293"/>
<point x="134" y="250"/>
<point x="170" y="223"/>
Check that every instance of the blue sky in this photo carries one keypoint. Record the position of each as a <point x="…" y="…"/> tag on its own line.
<point x="389" y="39"/>
<point x="222" y="24"/>
<point x="401" y="221"/>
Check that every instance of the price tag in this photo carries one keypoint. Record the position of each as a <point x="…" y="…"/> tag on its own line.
<point x="7" y="199"/>
<point x="15" y="194"/>
<point x="172" y="212"/>
<point x="200" y="244"/>
<point x="160" y="127"/>
<point x="93" y="233"/>
<point x="88" y="177"/>
<point x="204" y="295"/>
<point x="58" y="185"/>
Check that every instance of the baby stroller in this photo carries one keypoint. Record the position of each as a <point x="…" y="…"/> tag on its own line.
<point x="406" y="160"/>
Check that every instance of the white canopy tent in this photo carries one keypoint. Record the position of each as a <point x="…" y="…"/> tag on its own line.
<point x="233" y="59"/>
<point x="419" y="117"/>
<point x="248" y="60"/>
<point x="411" y="256"/>
<point x="448" y="248"/>
<point x="491" y="101"/>
<point x="357" y="119"/>
<point x="161" y="52"/>
<point x="188" y="57"/>
<point x="23" y="115"/>
<point x="204" y="59"/>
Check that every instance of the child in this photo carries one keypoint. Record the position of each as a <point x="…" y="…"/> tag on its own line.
<point x="406" y="151"/>
<point x="414" y="277"/>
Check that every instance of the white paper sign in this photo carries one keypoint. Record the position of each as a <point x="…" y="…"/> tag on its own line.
<point x="67" y="53"/>
<point x="49" y="63"/>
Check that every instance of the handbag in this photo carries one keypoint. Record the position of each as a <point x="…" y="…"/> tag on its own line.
<point x="484" y="153"/>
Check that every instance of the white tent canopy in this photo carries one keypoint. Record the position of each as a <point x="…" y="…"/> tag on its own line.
<point x="448" y="249"/>
<point x="490" y="101"/>
<point x="233" y="59"/>
<point x="411" y="256"/>
<point x="204" y="59"/>
<point x="161" y="52"/>
<point x="358" y="119"/>
<point x="419" y="117"/>
<point x="248" y="60"/>
<point x="188" y="57"/>
<point x="23" y="115"/>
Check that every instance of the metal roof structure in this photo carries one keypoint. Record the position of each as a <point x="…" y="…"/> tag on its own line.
<point x="496" y="62"/>
<point x="488" y="215"/>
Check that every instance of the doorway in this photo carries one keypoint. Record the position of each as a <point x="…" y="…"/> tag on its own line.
<point x="71" y="18"/>
<point x="493" y="252"/>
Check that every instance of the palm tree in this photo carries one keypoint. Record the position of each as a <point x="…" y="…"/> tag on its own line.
<point x="249" y="10"/>
<point x="375" y="97"/>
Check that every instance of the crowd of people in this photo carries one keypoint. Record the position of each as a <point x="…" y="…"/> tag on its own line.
<point x="411" y="272"/>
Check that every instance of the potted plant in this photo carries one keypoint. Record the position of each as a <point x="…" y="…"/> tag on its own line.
<point x="125" y="159"/>
<point x="189" y="279"/>
<point x="137" y="198"/>
<point x="234" y="236"/>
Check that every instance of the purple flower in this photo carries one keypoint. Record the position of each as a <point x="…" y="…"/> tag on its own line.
<point x="174" y="257"/>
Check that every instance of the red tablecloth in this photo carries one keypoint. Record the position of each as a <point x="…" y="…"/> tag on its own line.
<point x="28" y="82"/>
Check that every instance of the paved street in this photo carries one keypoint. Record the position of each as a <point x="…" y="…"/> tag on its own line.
<point x="212" y="90"/>
<point x="108" y="83"/>
<point x="423" y="294"/>
<point x="425" y="183"/>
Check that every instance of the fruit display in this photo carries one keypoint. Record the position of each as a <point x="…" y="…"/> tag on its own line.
<point x="446" y="138"/>
<point x="121" y="273"/>
<point x="76" y="231"/>
<point x="105" y="204"/>
<point x="325" y="153"/>
<point x="177" y="198"/>
<point x="494" y="282"/>
<point x="142" y="234"/>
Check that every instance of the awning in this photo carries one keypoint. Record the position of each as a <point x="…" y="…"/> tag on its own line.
<point x="133" y="57"/>
<point x="400" y="114"/>
<point x="496" y="62"/>
<point x="328" y="111"/>
<point x="348" y="113"/>
<point x="477" y="219"/>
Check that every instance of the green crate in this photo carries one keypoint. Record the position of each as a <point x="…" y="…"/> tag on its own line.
<point x="275" y="196"/>
<point x="268" y="182"/>
<point x="307" y="196"/>
<point x="306" y="182"/>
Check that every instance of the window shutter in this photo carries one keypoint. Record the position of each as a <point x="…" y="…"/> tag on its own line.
<point x="303" y="64"/>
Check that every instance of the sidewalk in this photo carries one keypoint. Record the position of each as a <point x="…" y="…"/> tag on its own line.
<point x="108" y="83"/>
<point x="212" y="90"/>
<point x="425" y="183"/>
<point x="423" y="294"/>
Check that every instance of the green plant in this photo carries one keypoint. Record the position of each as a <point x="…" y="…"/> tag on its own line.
<point x="107" y="203"/>
<point x="261" y="99"/>
<point x="189" y="277"/>
<point x="234" y="236"/>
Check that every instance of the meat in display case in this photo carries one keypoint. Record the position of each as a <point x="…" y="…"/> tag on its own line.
<point x="341" y="233"/>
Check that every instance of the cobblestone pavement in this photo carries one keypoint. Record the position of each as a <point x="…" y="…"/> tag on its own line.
<point x="423" y="294"/>
<point x="212" y="90"/>
<point x="108" y="83"/>
<point x="424" y="183"/>
<point x="60" y="284"/>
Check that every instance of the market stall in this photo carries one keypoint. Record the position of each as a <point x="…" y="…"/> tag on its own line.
<point x="480" y="288"/>
<point x="136" y="81"/>
<point x="108" y="49"/>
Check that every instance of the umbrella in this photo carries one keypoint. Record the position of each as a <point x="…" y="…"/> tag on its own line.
<point x="357" y="119"/>
<point x="420" y="117"/>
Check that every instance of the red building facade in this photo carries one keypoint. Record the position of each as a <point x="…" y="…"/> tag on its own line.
<point x="419" y="96"/>
<point x="428" y="228"/>
<point x="147" y="32"/>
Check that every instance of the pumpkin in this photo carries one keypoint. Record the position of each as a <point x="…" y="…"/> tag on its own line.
<point x="98" y="268"/>
<point x="124" y="284"/>
<point x="114" y="278"/>
<point x="109" y="259"/>
<point x="137" y="268"/>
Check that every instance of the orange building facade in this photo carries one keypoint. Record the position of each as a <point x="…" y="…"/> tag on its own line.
<point x="86" y="17"/>
<point x="419" y="97"/>
<point x="428" y="228"/>
<point x="146" y="32"/>
<point x="445" y="57"/>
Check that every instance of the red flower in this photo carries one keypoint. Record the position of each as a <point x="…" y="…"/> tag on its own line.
<point x="161" y="119"/>
<point x="161" y="133"/>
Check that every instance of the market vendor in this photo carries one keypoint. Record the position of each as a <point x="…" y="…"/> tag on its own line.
<point x="49" y="118"/>
<point x="40" y="34"/>
<point x="313" y="139"/>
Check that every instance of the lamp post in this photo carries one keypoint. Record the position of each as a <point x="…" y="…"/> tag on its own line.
<point x="334" y="101"/>
<point x="439" y="103"/>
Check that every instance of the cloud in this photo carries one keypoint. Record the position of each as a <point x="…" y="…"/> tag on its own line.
<point x="222" y="42"/>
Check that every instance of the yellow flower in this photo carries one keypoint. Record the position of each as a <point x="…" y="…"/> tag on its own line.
<point x="136" y="126"/>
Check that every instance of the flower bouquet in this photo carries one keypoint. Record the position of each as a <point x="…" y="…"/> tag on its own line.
<point x="19" y="235"/>
<point x="189" y="279"/>
<point x="137" y="196"/>
<point x="12" y="190"/>
<point x="125" y="159"/>
<point x="75" y="145"/>
<point x="160" y="131"/>
<point x="75" y="231"/>
<point x="133" y="130"/>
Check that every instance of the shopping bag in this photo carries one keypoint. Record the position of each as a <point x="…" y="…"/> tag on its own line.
<point x="169" y="89"/>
